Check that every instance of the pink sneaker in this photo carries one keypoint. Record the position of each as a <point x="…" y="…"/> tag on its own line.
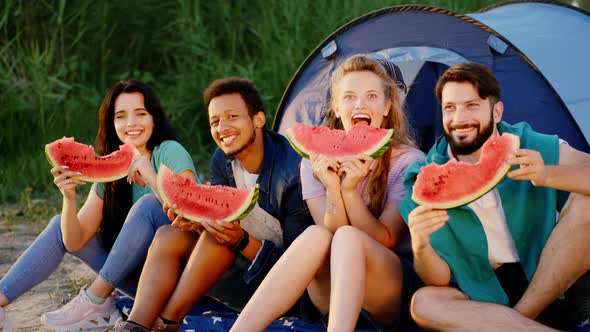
<point x="80" y="313"/>
<point x="5" y="325"/>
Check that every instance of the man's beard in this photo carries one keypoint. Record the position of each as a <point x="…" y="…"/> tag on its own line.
<point x="463" y="149"/>
<point x="245" y="146"/>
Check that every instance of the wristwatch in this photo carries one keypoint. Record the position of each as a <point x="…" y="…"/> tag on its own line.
<point x="242" y="242"/>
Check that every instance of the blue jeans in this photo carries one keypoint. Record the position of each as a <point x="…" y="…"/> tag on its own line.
<point x="120" y="267"/>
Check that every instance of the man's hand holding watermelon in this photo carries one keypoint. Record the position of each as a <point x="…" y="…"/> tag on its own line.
<point x="532" y="167"/>
<point x="178" y="220"/>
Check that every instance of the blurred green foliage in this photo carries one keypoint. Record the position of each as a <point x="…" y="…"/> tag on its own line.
<point x="59" y="58"/>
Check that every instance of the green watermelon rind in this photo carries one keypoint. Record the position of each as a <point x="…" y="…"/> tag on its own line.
<point x="384" y="145"/>
<point x="500" y="175"/>
<point x="300" y="150"/>
<point x="374" y="152"/>
<point x="54" y="163"/>
<point x="246" y="209"/>
<point x="241" y="213"/>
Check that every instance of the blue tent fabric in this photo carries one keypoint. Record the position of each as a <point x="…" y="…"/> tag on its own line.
<point x="540" y="66"/>
<point x="555" y="39"/>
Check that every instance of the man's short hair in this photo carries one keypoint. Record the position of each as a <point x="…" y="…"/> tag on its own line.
<point x="244" y="87"/>
<point x="477" y="74"/>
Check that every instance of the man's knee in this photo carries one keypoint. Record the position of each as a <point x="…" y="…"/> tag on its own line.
<point x="166" y="239"/>
<point x="427" y="301"/>
<point x="576" y="209"/>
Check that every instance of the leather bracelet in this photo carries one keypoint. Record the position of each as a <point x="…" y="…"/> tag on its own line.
<point x="242" y="242"/>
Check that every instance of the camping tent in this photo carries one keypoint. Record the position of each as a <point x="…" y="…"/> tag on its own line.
<point x="537" y="49"/>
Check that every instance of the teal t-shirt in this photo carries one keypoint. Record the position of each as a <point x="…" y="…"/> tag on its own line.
<point x="169" y="153"/>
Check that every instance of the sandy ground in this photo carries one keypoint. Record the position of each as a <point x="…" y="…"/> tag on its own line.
<point x="51" y="294"/>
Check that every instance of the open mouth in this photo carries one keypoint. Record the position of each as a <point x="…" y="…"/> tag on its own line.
<point x="228" y="140"/>
<point x="361" y="118"/>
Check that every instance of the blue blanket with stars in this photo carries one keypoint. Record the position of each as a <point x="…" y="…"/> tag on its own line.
<point x="212" y="316"/>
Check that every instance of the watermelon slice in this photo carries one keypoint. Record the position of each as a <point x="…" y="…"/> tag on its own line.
<point x="200" y="203"/>
<point x="457" y="183"/>
<point x="339" y="144"/>
<point x="82" y="158"/>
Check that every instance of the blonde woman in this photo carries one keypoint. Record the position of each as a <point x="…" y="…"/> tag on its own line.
<point x="358" y="256"/>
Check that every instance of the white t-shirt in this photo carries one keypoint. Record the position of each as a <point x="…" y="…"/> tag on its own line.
<point x="489" y="211"/>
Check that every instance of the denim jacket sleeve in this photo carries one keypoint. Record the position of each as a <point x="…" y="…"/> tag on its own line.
<point x="216" y="167"/>
<point x="296" y="218"/>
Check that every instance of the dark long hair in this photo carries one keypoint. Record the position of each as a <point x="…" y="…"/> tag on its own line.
<point x="117" y="194"/>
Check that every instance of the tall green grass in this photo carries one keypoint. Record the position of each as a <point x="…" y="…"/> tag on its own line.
<point x="58" y="59"/>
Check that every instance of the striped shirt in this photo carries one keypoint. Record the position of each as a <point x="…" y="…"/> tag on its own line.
<point x="312" y="188"/>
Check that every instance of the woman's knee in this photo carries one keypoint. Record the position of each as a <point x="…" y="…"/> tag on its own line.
<point x="146" y="209"/>
<point x="315" y="237"/>
<point x="347" y="235"/>
<point x="54" y="227"/>
<point x="55" y="222"/>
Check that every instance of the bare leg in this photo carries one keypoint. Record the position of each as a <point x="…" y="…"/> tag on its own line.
<point x="207" y="263"/>
<point x="448" y="309"/>
<point x="3" y="300"/>
<point x="100" y="288"/>
<point x="365" y="274"/>
<point x="160" y="273"/>
<point x="287" y="280"/>
<point x="563" y="259"/>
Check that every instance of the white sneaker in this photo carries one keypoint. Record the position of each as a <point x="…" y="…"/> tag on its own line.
<point x="5" y="324"/>
<point x="81" y="313"/>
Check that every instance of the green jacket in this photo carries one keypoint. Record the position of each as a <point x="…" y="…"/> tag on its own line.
<point x="530" y="214"/>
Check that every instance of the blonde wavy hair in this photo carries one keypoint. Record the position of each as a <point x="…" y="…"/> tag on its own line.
<point x="395" y="120"/>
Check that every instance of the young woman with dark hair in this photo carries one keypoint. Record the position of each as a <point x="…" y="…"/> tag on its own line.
<point x="111" y="232"/>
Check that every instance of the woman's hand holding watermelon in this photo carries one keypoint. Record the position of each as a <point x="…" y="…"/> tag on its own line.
<point x="326" y="171"/>
<point x="353" y="171"/>
<point x="532" y="167"/>
<point x="64" y="180"/>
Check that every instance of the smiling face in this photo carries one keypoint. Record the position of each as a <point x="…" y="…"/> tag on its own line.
<point x="360" y="99"/>
<point x="468" y="120"/>
<point x="232" y="128"/>
<point x="133" y="123"/>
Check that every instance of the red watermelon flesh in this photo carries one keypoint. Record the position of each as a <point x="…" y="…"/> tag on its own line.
<point x="198" y="202"/>
<point x="82" y="158"/>
<point x="457" y="183"/>
<point x="339" y="144"/>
